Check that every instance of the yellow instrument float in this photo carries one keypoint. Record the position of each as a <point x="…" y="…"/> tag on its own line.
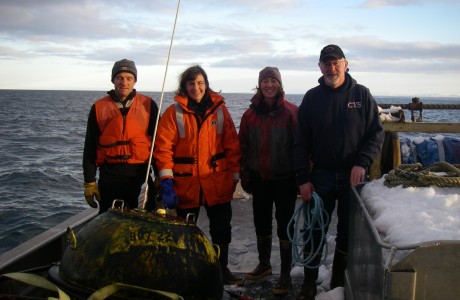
<point x="143" y="249"/>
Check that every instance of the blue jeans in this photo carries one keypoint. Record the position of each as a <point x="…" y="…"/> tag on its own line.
<point x="331" y="186"/>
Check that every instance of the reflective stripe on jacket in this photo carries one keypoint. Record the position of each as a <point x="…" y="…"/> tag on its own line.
<point x="202" y="156"/>
<point x="123" y="139"/>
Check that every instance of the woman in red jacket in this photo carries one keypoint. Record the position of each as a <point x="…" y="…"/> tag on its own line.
<point x="198" y="158"/>
<point x="267" y="131"/>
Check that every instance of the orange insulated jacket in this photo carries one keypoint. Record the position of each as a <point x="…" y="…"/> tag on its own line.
<point x="201" y="154"/>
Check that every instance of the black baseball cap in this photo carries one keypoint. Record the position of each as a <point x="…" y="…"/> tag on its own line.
<point x="331" y="51"/>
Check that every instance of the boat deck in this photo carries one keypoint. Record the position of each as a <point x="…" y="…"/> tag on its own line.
<point x="243" y="255"/>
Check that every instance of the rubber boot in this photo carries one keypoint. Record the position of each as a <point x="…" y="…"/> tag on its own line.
<point x="308" y="290"/>
<point x="338" y="269"/>
<point x="284" y="281"/>
<point x="228" y="276"/>
<point x="264" y="268"/>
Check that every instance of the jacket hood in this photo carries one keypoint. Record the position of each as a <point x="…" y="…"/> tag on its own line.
<point x="259" y="106"/>
<point x="215" y="98"/>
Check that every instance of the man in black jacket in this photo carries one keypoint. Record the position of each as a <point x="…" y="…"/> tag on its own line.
<point x="339" y="134"/>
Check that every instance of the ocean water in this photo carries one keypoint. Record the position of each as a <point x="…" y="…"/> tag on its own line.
<point x="41" y="146"/>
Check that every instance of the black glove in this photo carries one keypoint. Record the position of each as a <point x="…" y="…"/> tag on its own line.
<point x="247" y="186"/>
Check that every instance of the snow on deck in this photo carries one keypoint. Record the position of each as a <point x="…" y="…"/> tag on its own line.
<point x="414" y="214"/>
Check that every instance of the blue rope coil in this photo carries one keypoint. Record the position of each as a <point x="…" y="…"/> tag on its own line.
<point x="315" y="218"/>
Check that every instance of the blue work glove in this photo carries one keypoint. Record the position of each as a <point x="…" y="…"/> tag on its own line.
<point x="168" y="195"/>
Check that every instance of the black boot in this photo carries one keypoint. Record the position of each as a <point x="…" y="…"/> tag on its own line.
<point x="284" y="281"/>
<point x="264" y="268"/>
<point x="228" y="277"/>
<point x="308" y="291"/>
<point x="338" y="269"/>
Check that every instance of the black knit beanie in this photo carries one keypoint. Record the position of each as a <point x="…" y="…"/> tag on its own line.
<point x="124" y="65"/>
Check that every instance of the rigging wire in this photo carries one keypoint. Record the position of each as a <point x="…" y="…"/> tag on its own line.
<point x="142" y="201"/>
<point x="315" y="218"/>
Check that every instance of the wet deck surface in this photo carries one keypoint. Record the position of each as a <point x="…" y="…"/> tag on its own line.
<point x="262" y="289"/>
<point x="243" y="255"/>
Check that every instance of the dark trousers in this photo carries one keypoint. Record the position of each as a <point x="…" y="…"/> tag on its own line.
<point x="332" y="186"/>
<point x="220" y="216"/>
<point x="282" y="193"/>
<point x="126" y="189"/>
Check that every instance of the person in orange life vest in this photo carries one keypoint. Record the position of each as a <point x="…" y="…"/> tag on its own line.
<point x="197" y="154"/>
<point x="118" y="141"/>
<point x="267" y="131"/>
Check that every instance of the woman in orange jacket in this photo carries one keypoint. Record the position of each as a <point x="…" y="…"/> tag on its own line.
<point x="197" y="154"/>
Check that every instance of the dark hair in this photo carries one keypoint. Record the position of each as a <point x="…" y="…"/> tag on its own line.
<point x="189" y="75"/>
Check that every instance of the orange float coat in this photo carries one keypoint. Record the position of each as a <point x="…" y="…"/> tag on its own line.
<point x="202" y="155"/>
<point x="124" y="139"/>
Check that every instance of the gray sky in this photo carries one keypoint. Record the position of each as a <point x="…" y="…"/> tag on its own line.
<point x="395" y="47"/>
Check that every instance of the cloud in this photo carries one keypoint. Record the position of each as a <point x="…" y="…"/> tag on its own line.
<point x="103" y="31"/>
<point x="13" y="54"/>
<point x="273" y="6"/>
<point x="389" y="3"/>
<point x="372" y="54"/>
<point x="233" y="35"/>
